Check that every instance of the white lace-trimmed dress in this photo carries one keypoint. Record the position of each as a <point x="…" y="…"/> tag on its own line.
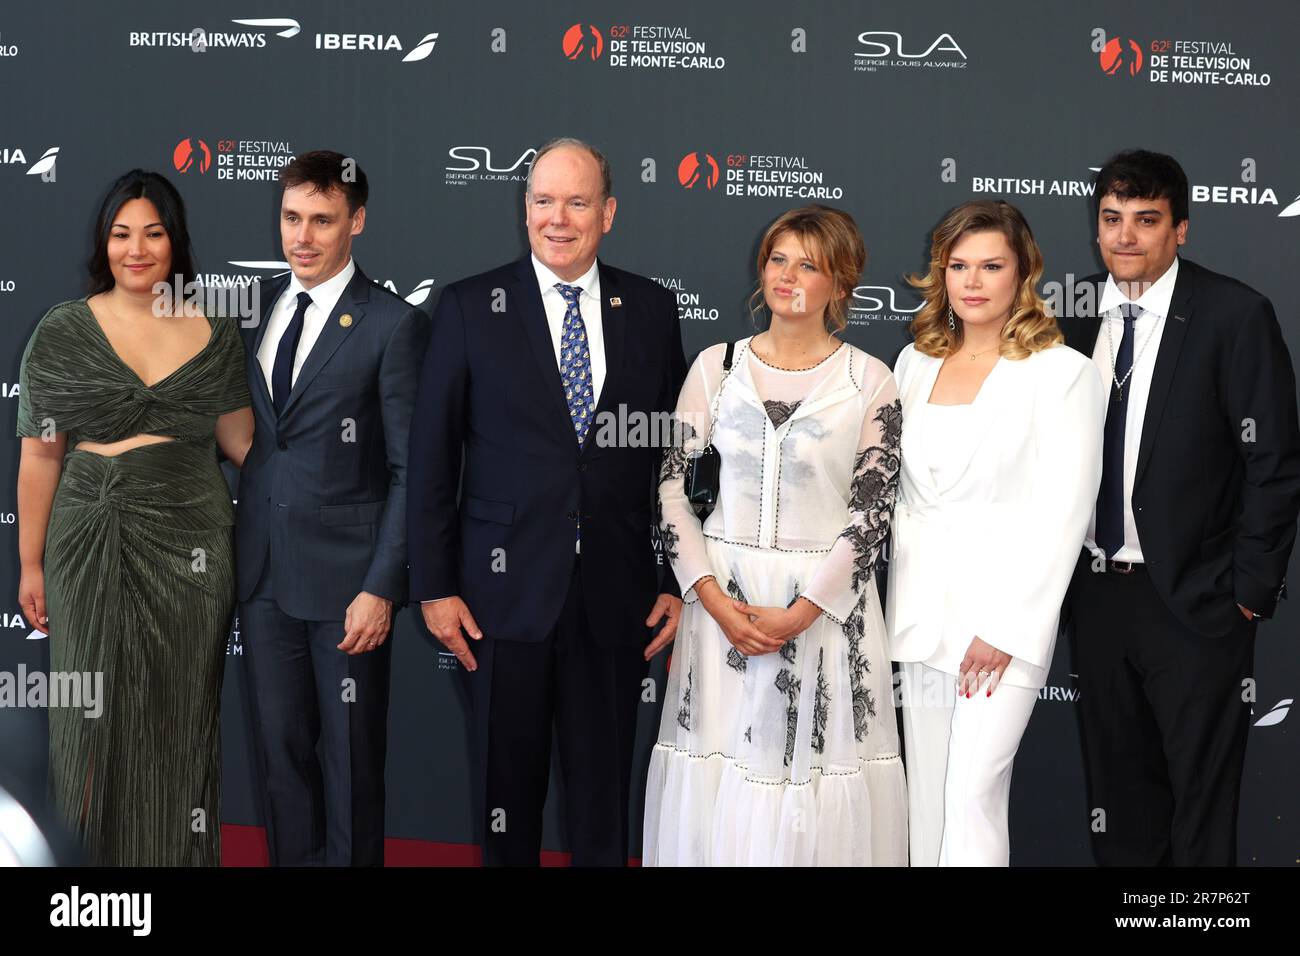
<point x="789" y="758"/>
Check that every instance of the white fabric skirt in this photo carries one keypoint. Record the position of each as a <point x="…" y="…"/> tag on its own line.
<point x="785" y="759"/>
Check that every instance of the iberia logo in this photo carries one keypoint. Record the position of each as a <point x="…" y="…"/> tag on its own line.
<point x="188" y="152"/>
<point x="583" y="38"/>
<point x="1121" y="56"/>
<point x="697" y="167"/>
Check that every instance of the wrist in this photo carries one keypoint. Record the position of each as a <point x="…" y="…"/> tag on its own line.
<point x="807" y="612"/>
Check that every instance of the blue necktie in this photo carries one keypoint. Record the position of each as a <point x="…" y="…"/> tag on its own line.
<point x="1110" y="498"/>
<point x="575" y="363"/>
<point x="575" y="369"/>
<point x="285" y="352"/>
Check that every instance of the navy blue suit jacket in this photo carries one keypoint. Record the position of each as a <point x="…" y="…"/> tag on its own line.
<point x="322" y="494"/>
<point x="490" y="400"/>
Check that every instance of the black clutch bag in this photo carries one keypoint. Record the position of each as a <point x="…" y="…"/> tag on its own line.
<point x="704" y="471"/>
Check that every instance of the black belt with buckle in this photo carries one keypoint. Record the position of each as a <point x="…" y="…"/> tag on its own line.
<point x="1123" y="567"/>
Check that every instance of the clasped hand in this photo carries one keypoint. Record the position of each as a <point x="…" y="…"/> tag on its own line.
<point x="754" y="630"/>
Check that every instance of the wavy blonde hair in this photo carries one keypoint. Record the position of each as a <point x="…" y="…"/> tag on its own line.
<point x="832" y="239"/>
<point x="1030" y="328"/>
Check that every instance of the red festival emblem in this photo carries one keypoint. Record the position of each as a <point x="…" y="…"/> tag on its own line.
<point x="583" y="38"/>
<point x="191" y="151"/>
<point x="1121" y="56"/>
<point x="697" y="167"/>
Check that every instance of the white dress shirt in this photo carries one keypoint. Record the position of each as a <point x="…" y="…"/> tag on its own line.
<point x="1147" y="329"/>
<point x="323" y="299"/>
<point x="588" y="305"/>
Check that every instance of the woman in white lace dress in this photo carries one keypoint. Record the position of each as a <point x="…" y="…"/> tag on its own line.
<point x="778" y="743"/>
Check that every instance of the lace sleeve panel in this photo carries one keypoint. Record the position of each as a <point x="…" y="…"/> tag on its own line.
<point x="838" y="584"/>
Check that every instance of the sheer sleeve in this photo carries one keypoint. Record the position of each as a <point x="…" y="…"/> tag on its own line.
<point x="680" y="529"/>
<point x="837" y="586"/>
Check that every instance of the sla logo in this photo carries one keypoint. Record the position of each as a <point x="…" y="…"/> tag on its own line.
<point x="469" y="155"/>
<point x="879" y="303"/>
<point x="886" y="50"/>
<point x="695" y="167"/>
<point x="583" y="38"/>
<point x="475" y="164"/>
<point x="894" y="47"/>
<point x="376" y="42"/>
<point x="1121" y="56"/>
<point x="190" y="151"/>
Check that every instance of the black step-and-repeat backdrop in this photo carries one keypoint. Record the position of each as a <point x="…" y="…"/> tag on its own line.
<point x="716" y="118"/>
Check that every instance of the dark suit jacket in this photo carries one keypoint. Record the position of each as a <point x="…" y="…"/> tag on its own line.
<point x="322" y="494"/>
<point x="490" y="397"/>
<point x="1217" y="488"/>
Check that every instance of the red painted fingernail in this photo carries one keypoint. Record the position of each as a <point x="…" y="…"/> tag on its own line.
<point x="989" y="694"/>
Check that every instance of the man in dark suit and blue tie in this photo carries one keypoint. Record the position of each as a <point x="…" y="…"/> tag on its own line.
<point x="320" y="537"/>
<point x="1193" y="529"/>
<point x="546" y="561"/>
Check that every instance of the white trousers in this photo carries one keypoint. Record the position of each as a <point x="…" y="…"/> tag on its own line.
<point x="959" y="753"/>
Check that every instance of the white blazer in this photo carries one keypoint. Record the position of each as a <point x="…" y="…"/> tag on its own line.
<point x="992" y="555"/>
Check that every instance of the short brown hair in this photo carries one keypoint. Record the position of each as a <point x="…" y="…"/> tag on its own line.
<point x="835" y="245"/>
<point x="1030" y="328"/>
<point x="323" y="169"/>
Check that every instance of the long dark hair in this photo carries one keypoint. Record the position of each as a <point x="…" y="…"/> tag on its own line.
<point x="141" y="184"/>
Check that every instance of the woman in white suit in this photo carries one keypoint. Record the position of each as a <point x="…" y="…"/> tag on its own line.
<point x="1001" y="464"/>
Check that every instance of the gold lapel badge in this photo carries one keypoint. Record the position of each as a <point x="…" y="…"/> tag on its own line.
<point x="345" y="320"/>
<point x="615" y="302"/>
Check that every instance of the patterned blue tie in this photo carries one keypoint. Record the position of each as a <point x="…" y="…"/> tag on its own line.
<point x="575" y="370"/>
<point x="575" y="363"/>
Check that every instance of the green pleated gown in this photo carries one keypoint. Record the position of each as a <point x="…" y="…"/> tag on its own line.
<point x="139" y="586"/>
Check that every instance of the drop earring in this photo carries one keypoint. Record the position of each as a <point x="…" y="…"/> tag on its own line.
<point x="952" y="322"/>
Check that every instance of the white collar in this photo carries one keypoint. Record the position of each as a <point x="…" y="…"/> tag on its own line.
<point x="1154" y="301"/>
<point x="589" y="281"/>
<point x="326" y="295"/>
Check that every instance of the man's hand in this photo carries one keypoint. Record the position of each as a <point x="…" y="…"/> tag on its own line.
<point x="666" y="606"/>
<point x="444" y="619"/>
<point x="366" y="623"/>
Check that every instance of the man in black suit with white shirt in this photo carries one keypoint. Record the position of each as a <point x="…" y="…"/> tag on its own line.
<point x="546" y="562"/>
<point x="1194" y="525"/>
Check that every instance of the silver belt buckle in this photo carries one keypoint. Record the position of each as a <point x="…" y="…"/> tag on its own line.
<point x="1122" y="567"/>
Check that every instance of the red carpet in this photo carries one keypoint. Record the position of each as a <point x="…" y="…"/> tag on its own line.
<point x="246" y="846"/>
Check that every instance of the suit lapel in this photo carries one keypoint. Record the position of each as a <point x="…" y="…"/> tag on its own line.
<point x="613" y="324"/>
<point x="532" y="315"/>
<point x="917" y="393"/>
<point x="352" y="302"/>
<point x="1162" y="377"/>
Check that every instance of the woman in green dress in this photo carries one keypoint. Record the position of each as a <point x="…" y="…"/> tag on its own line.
<point x="125" y="525"/>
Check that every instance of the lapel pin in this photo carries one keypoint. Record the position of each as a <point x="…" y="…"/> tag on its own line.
<point x="615" y="302"/>
<point x="1180" y="318"/>
<point x="345" y="320"/>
